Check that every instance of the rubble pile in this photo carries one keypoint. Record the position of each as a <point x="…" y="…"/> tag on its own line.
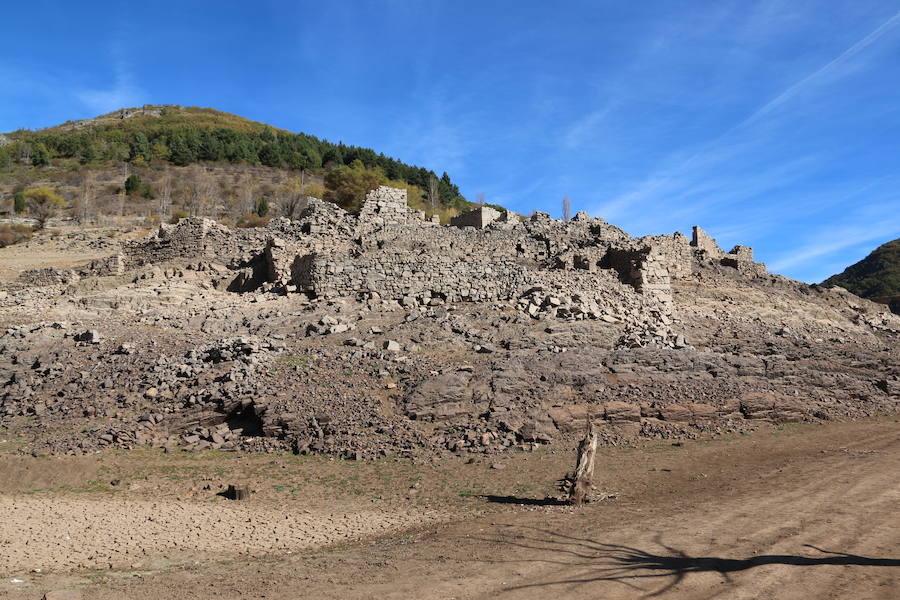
<point x="382" y="333"/>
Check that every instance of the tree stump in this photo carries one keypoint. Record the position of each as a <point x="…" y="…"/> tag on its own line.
<point x="584" y="468"/>
<point x="237" y="492"/>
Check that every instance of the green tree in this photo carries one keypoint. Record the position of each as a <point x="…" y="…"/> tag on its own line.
<point x="262" y="207"/>
<point x="133" y="184"/>
<point x="43" y="204"/>
<point x="40" y="157"/>
<point x="88" y="153"/>
<point x="270" y="156"/>
<point x="20" y="202"/>
<point x="140" y="147"/>
<point x="180" y="151"/>
<point x="5" y="159"/>
<point x="159" y="151"/>
<point x="347" y="186"/>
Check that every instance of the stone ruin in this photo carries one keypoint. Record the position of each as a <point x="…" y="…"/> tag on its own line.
<point x="494" y="331"/>
<point x="391" y="252"/>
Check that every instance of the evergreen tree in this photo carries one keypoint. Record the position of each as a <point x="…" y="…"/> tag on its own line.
<point x="180" y="152"/>
<point x="270" y="156"/>
<point x="139" y="147"/>
<point x="88" y="153"/>
<point x="262" y="207"/>
<point x="133" y="184"/>
<point x="40" y="157"/>
<point x="20" y="202"/>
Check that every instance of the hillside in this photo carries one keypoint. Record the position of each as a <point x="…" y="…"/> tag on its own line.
<point x="877" y="276"/>
<point x="153" y="140"/>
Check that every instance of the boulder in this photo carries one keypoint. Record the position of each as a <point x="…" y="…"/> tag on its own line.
<point x="441" y="398"/>
<point x="700" y="412"/>
<point x="619" y="412"/>
<point x="570" y="418"/>
<point x="675" y="413"/>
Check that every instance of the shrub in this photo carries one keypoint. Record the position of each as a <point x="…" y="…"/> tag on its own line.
<point x="178" y="215"/>
<point x="13" y="234"/>
<point x="262" y="207"/>
<point x="43" y="203"/>
<point x="40" y="157"/>
<point x="314" y="189"/>
<point x="252" y="220"/>
<point x="132" y="184"/>
<point x="20" y="203"/>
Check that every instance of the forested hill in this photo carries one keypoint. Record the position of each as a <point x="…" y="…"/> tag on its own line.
<point x="186" y="135"/>
<point x="875" y="276"/>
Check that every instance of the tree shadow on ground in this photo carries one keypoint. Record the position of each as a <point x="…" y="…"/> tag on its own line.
<point x="524" y="501"/>
<point x="592" y="561"/>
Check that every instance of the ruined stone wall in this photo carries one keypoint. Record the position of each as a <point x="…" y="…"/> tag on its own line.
<point x="741" y="258"/>
<point x="674" y="252"/>
<point x="393" y="251"/>
<point x="387" y="206"/>
<point x="400" y="275"/>
<point x="704" y="243"/>
<point x="189" y="238"/>
<point x="101" y="267"/>
<point x="479" y="218"/>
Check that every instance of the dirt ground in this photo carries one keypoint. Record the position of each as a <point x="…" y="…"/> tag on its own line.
<point x="805" y="511"/>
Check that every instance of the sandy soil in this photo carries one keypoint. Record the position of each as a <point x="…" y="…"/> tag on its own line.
<point x="800" y="512"/>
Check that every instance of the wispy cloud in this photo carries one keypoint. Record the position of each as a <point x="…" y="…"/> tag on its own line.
<point x="829" y="240"/>
<point x="684" y="177"/>
<point x="122" y="90"/>
<point x="585" y="127"/>
<point x="828" y="69"/>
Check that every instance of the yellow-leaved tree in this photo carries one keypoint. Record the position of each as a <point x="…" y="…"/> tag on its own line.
<point x="44" y="204"/>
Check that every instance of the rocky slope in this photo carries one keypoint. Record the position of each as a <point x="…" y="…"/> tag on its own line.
<point x="200" y="337"/>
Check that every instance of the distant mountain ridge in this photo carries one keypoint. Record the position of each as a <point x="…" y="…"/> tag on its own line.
<point x="876" y="277"/>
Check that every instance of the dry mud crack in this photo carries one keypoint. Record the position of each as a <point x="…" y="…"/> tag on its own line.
<point x="60" y="534"/>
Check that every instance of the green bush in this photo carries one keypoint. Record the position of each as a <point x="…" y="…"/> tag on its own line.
<point x="133" y="184"/>
<point x="262" y="208"/>
<point x="177" y="215"/>
<point x="40" y="157"/>
<point x="20" y="202"/>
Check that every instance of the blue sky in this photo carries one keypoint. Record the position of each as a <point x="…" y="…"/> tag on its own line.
<point x="774" y="124"/>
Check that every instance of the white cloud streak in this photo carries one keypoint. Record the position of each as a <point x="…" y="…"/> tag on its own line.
<point x="682" y="178"/>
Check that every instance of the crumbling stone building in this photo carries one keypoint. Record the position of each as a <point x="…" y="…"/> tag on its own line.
<point x="391" y="252"/>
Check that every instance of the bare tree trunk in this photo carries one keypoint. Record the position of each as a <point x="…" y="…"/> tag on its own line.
<point x="246" y="195"/>
<point x="122" y="190"/>
<point x="208" y="195"/>
<point x="87" y="196"/>
<point x="237" y="492"/>
<point x="584" y="468"/>
<point x="433" y="193"/>
<point x="165" y="194"/>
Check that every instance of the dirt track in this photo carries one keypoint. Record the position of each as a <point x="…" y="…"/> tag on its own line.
<point x="811" y="513"/>
<point x="812" y="528"/>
